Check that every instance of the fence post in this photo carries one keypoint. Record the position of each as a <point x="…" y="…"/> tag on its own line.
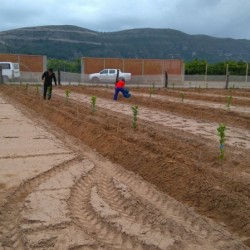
<point x="246" y="71"/>
<point x="166" y="79"/>
<point x="227" y="80"/>
<point x="59" y="76"/>
<point x="206" y="73"/>
<point x="227" y="77"/>
<point x="117" y="76"/>
<point x="1" y="75"/>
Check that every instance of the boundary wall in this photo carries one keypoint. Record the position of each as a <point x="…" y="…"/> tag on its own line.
<point x="134" y="66"/>
<point x="27" y="63"/>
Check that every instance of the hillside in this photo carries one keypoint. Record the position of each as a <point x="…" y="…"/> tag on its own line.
<point x="70" y="42"/>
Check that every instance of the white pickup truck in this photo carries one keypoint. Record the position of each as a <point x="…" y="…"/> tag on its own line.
<point x="108" y="75"/>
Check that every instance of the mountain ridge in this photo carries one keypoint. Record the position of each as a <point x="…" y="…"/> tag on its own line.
<point x="69" y="42"/>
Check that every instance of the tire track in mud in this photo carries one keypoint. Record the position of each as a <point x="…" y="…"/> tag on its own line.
<point x="85" y="216"/>
<point x="236" y="137"/>
<point x="118" y="216"/>
<point x="10" y="215"/>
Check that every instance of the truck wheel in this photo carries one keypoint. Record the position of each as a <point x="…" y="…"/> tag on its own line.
<point x="95" y="80"/>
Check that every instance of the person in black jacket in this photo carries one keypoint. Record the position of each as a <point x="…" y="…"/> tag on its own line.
<point x="47" y="78"/>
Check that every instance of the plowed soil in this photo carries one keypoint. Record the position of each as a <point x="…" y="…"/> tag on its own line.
<point x="160" y="185"/>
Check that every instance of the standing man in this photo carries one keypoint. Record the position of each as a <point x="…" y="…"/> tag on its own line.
<point x="47" y="78"/>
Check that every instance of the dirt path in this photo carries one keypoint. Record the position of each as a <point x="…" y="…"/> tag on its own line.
<point x="72" y="197"/>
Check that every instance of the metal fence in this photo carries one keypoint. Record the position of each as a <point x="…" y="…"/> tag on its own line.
<point x="173" y="81"/>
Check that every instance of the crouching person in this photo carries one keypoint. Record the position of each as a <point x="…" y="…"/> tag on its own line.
<point x="120" y="87"/>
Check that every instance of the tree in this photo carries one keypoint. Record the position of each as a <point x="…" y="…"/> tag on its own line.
<point x="197" y="67"/>
<point x="67" y="66"/>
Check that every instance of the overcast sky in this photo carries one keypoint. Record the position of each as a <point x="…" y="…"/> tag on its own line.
<point x="218" y="18"/>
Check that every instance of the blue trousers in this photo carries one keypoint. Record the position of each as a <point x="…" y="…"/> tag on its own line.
<point x="117" y="90"/>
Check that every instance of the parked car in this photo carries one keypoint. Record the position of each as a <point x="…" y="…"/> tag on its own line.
<point x="10" y="71"/>
<point x="108" y="75"/>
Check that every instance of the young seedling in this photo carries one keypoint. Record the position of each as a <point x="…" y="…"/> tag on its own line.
<point x="151" y="90"/>
<point x="173" y="85"/>
<point x="221" y="133"/>
<point x="189" y="84"/>
<point x="93" y="103"/>
<point x="135" y="113"/>
<point x="182" y="96"/>
<point x="229" y="101"/>
<point x="67" y="92"/>
<point x="37" y="89"/>
<point x="26" y="86"/>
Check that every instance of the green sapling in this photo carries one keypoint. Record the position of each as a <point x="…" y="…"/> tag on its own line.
<point x="229" y="101"/>
<point x="221" y="133"/>
<point x="67" y="92"/>
<point x="182" y="96"/>
<point x="93" y="103"/>
<point x="135" y="113"/>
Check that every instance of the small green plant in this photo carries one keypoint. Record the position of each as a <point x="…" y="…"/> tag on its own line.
<point x="182" y="96"/>
<point x="173" y="85"/>
<point x="67" y="93"/>
<point x="206" y="85"/>
<point x="37" y="89"/>
<point x="69" y="83"/>
<point x="221" y="133"/>
<point x="190" y="84"/>
<point x="135" y="113"/>
<point x="151" y="90"/>
<point x="229" y="101"/>
<point x="79" y="83"/>
<point x="26" y="87"/>
<point x="93" y="103"/>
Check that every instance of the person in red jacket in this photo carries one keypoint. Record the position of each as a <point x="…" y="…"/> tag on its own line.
<point x="120" y="87"/>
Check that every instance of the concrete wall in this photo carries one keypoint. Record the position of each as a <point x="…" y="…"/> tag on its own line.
<point x="28" y="63"/>
<point x="134" y="66"/>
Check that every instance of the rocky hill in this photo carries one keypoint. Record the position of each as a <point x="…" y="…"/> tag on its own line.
<point x="71" y="42"/>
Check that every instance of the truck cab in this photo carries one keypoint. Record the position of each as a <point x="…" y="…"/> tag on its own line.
<point x="10" y="71"/>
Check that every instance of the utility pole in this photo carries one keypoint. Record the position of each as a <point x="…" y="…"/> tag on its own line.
<point x="227" y="78"/>
<point x="246" y="71"/>
<point x="59" y="76"/>
<point x="206" y="73"/>
<point x="1" y="75"/>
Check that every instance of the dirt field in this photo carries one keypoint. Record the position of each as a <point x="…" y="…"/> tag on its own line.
<point x="91" y="181"/>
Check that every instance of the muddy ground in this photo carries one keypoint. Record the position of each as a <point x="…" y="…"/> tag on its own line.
<point x="158" y="186"/>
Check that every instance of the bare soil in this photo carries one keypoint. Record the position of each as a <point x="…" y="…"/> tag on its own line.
<point x="158" y="186"/>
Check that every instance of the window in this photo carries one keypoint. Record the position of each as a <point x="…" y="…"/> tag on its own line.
<point x="112" y="71"/>
<point x="105" y="71"/>
<point x="16" y="65"/>
<point x="5" y="65"/>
